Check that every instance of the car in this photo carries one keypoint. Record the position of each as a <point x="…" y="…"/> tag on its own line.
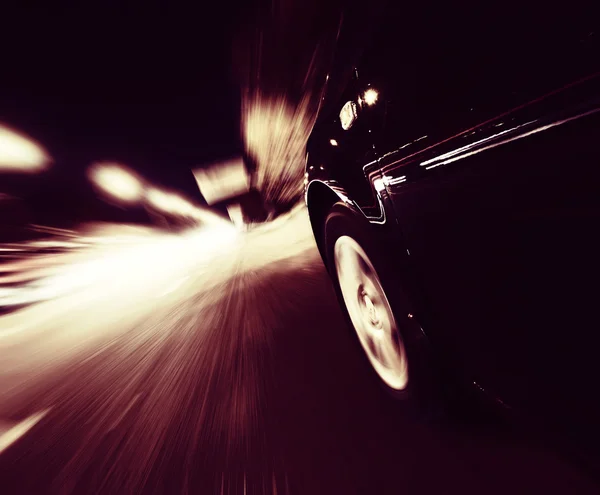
<point x="452" y="184"/>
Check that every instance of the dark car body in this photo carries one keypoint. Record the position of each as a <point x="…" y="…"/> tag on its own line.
<point x="482" y="153"/>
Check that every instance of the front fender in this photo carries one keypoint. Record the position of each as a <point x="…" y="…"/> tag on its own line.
<point x="327" y="187"/>
<point x="321" y="195"/>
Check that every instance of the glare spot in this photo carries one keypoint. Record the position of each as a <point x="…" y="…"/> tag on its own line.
<point x="169" y="202"/>
<point x="19" y="153"/>
<point x="371" y="96"/>
<point x="118" y="182"/>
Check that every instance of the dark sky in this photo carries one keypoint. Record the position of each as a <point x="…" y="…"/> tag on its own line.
<point x="150" y="86"/>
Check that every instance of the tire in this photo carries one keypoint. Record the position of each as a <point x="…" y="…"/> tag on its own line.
<point x="379" y="312"/>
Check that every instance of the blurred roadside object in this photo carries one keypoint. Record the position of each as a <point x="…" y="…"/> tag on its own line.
<point x="282" y="58"/>
<point x="292" y="59"/>
<point x="117" y="181"/>
<point x="21" y="154"/>
<point x="223" y="180"/>
<point x="230" y="183"/>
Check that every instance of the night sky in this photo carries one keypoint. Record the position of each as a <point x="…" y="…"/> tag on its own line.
<point x="149" y="86"/>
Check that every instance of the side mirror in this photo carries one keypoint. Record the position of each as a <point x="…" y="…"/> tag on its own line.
<point x="348" y="115"/>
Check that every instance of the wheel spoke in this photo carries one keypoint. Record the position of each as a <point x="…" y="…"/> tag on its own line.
<point x="382" y="352"/>
<point x="370" y="312"/>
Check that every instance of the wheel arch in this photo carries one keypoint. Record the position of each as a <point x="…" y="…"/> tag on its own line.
<point x="320" y="197"/>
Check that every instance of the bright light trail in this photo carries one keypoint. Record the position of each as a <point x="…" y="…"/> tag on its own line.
<point x="169" y="202"/>
<point x="19" y="153"/>
<point x="117" y="181"/>
<point x="106" y="259"/>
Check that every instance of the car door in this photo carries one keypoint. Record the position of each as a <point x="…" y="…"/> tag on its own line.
<point x="494" y="203"/>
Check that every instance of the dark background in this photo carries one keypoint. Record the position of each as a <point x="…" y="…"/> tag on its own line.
<point x="154" y="86"/>
<point x="150" y="86"/>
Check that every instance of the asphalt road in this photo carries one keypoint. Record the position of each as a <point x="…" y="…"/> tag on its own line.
<point x="229" y="373"/>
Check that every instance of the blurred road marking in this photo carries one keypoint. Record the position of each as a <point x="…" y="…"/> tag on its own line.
<point x="10" y="435"/>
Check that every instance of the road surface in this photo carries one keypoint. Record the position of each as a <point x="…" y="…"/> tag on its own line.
<point x="219" y="363"/>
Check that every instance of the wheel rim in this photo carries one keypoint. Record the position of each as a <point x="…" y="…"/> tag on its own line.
<point x="370" y="313"/>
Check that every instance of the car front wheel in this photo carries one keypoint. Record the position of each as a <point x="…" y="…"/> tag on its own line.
<point x="370" y="312"/>
<point x="367" y="282"/>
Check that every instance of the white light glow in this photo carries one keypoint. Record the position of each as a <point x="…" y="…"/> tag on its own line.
<point x="19" y="153"/>
<point x="371" y="96"/>
<point x="116" y="181"/>
<point x="102" y="262"/>
<point x="169" y="202"/>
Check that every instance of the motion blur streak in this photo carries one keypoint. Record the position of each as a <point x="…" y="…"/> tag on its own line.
<point x="143" y="379"/>
<point x="282" y="60"/>
<point x="217" y="362"/>
<point x="99" y="266"/>
<point x="11" y="434"/>
<point x="116" y="180"/>
<point x="19" y="153"/>
<point x="276" y="134"/>
<point x="176" y="205"/>
<point x="120" y="183"/>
